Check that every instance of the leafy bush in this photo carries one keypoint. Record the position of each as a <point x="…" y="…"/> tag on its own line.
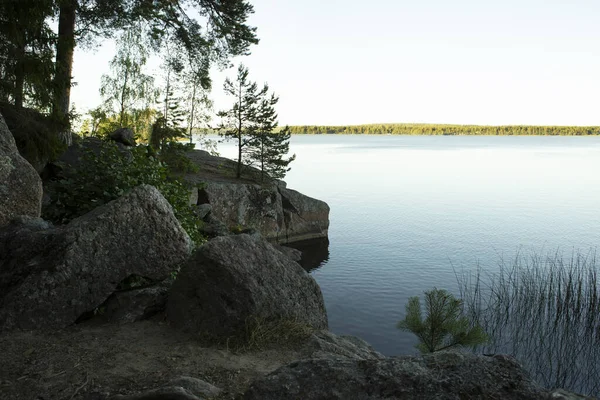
<point x="163" y="133"/>
<point x="106" y="174"/>
<point x="173" y="154"/>
<point x="444" y="326"/>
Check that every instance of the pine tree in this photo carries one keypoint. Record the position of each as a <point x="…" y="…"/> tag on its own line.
<point x="26" y="52"/>
<point x="444" y="326"/>
<point x="267" y="147"/>
<point x="169" y="126"/>
<point x="240" y="122"/>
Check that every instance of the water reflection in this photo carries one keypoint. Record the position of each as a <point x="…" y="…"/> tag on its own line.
<point x="315" y="253"/>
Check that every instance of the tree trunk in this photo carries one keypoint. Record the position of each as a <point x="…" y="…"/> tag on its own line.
<point x="20" y="75"/>
<point x="193" y="109"/>
<point x="239" y="164"/>
<point x="123" y="100"/>
<point x="64" y="66"/>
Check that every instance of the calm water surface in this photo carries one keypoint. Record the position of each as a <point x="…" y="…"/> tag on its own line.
<point x="405" y="210"/>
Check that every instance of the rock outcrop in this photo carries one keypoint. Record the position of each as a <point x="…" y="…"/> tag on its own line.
<point x="245" y="205"/>
<point x="49" y="277"/>
<point x="182" y="388"/>
<point x="445" y="375"/>
<point x="279" y="214"/>
<point x="325" y="344"/>
<point x="20" y="185"/>
<point x="234" y="278"/>
<point x="304" y="217"/>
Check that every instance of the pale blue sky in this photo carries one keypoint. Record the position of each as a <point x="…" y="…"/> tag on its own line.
<point x="335" y="62"/>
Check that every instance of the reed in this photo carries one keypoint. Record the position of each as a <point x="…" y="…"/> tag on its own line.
<point x="545" y="311"/>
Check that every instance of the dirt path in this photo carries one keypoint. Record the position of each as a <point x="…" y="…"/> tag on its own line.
<point x="96" y="362"/>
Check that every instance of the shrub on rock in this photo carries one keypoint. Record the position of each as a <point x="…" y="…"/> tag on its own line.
<point x="99" y="172"/>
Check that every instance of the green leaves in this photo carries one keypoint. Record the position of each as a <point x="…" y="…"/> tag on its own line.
<point x="444" y="325"/>
<point x="128" y="87"/>
<point x="106" y="173"/>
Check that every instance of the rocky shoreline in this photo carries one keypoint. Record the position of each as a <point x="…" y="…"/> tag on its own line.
<point x="237" y="318"/>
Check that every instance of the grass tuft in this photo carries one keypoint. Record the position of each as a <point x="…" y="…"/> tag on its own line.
<point x="260" y="333"/>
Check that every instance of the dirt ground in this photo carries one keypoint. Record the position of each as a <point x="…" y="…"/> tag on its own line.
<point x="96" y="362"/>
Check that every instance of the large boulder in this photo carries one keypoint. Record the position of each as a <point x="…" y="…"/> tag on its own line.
<point x="232" y="279"/>
<point x="35" y="134"/>
<point x="124" y="136"/>
<point x="50" y="277"/>
<point x="445" y="375"/>
<point x="20" y="185"/>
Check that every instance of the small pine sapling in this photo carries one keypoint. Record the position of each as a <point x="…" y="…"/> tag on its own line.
<point x="444" y="326"/>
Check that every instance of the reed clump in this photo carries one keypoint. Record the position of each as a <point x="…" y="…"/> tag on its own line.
<point x="545" y="311"/>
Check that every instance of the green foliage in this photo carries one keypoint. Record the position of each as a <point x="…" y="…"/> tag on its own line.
<point x="26" y="53"/>
<point x="173" y="154"/>
<point x="107" y="174"/>
<point x="239" y="122"/>
<point x="208" y="31"/>
<point x="162" y="133"/>
<point x="128" y="88"/>
<point x="199" y="107"/>
<point x="267" y="147"/>
<point x="444" y="326"/>
<point x="252" y="122"/>
<point x="102" y="122"/>
<point x="439" y="129"/>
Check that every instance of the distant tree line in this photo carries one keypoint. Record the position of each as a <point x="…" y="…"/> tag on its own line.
<point x="439" y="129"/>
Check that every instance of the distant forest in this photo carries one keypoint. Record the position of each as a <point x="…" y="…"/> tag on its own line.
<point x="434" y="129"/>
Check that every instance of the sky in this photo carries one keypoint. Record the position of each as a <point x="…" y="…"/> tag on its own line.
<point x="347" y="62"/>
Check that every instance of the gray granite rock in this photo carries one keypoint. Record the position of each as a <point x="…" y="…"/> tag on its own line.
<point x="325" y="344"/>
<point x="233" y="278"/>
<point x="20" y="185"/>
<point x="444" y="375"/>
<point x="124" y="136"/>
<point x="48" y="278"/>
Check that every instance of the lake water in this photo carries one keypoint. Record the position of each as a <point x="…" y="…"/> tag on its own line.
<point x="406" y="210"/>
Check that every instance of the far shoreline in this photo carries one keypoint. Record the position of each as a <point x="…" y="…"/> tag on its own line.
<point x="445" y="130"/>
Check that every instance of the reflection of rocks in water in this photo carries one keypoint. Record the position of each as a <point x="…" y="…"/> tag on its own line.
<point x="315" y="253"/>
